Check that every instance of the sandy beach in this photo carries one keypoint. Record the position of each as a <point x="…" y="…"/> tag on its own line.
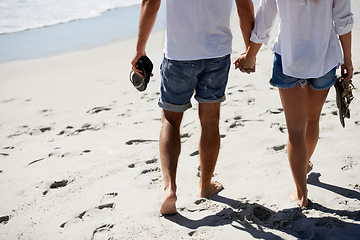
<point x="79" y="156"/>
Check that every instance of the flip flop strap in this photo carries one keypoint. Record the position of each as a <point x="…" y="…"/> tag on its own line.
<point x="142" y="82"/>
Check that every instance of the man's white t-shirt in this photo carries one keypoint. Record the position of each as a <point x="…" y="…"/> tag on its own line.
<point x="197" y="29"/>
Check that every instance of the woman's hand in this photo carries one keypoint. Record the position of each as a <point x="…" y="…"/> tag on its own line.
<point x="347" y="70"/>
<point x="245" y="64"/>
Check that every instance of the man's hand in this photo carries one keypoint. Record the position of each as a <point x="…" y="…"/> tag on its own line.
<point x="137" y="56"/>
<point x="148" y="13"/>
<point x="245" y="64"/>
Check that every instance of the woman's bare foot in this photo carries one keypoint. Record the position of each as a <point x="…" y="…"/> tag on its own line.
<point x="301" y="201"/>
<point x="211" y="189"/>
<point x="309" y="166"/>
<point x="168" y="206"/>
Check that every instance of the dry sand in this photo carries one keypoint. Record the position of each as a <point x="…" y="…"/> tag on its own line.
<point x="79" y="155"/>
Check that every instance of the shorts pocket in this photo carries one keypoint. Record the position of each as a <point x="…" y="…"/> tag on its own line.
<point x="178" y="76"/>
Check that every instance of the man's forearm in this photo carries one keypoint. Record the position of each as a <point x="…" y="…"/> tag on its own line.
<point x="149" y="10"/>
<point x="245" y="9"/>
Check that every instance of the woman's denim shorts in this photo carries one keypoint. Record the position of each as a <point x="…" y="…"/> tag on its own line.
<point x="280" y="80"/>
<point x="180" y="80"/>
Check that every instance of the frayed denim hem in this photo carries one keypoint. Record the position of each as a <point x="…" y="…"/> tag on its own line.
<point x="301" y="82"/>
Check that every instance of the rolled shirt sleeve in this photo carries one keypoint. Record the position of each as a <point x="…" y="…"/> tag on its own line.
<point x="264" y="21"/>
<point x="342" y="17"/>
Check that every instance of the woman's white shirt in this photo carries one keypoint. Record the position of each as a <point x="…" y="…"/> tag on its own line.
<point x="307" y="36"/>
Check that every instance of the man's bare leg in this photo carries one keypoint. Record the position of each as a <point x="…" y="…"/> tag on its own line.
<point x="209" y="114"/>
<point x="170" y="146"/>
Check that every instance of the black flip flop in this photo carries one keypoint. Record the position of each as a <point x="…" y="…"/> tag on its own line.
<point x="145" y="65"/>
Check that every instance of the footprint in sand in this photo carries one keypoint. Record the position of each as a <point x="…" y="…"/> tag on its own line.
<point x="5" y="154"/>
<point x="239" y="122"/>
<point x="32" y="132"/>
<point x="95" y="210"/>
<point x="147" y="170"/>
<point x="69" y="130"/>
<point x="154" y="160"/>
<point x="253" y="212"/>
<point x="199" y="205"/>
<point x="4" y="219"/>
<point x="235" y="124"/>
<point x="47" y="112"/>
<point x="98" y="109"/>
<point x="201" y="200"/>
<point x="194" y="153"/>
<point x="262" y="213"/>
<point x="8" y="100"/>
<point x="137" y="141"/>
<point x="273" y="111"/>
<point x="109" y="196"/>
<point x="59" y="155"/>
<point x="278" y="148"/>
<point x="35" y="161"/>
<point x="251" y="101"/>
<point x="280" y="126"/>
<point x="185" y="136"/>
<point x="105" y="227"/>
<point x="141" y="163"/>
<point x="56" y="185"/>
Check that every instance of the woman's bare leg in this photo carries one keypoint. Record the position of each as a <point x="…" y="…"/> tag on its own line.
<point x="294" y="101"/>
<point x="316" y="99"/>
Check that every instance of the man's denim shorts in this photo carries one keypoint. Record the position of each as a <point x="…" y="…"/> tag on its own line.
<point x="207" y="78"/>
<point x="280" y="80"/>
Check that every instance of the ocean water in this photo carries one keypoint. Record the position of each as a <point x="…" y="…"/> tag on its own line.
<point x="38" y="28"/>
<point x="20" y="15"/>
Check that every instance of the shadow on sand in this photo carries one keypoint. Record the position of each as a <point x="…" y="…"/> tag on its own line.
<point x="259" y="220"/>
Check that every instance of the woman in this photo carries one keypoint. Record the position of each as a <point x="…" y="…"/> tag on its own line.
<point x="307" y="54"/>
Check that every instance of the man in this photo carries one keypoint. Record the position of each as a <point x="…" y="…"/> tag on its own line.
<point x="197" y="59"/>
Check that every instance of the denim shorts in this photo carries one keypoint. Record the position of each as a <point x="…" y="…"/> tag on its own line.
<point x="180" y="80"/>
<point x="280" y="80"/>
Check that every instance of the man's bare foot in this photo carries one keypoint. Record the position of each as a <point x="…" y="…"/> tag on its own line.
<point x="309" y="166"/>
<point x="168" y="206"/>
<point x="302" y="202"/>
<point x="208" y="191"/>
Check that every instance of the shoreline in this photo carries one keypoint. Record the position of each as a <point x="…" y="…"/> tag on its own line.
<point x="115" y="25"/>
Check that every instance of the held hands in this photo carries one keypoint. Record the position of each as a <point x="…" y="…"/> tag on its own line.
<point x="245" y="64"/>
